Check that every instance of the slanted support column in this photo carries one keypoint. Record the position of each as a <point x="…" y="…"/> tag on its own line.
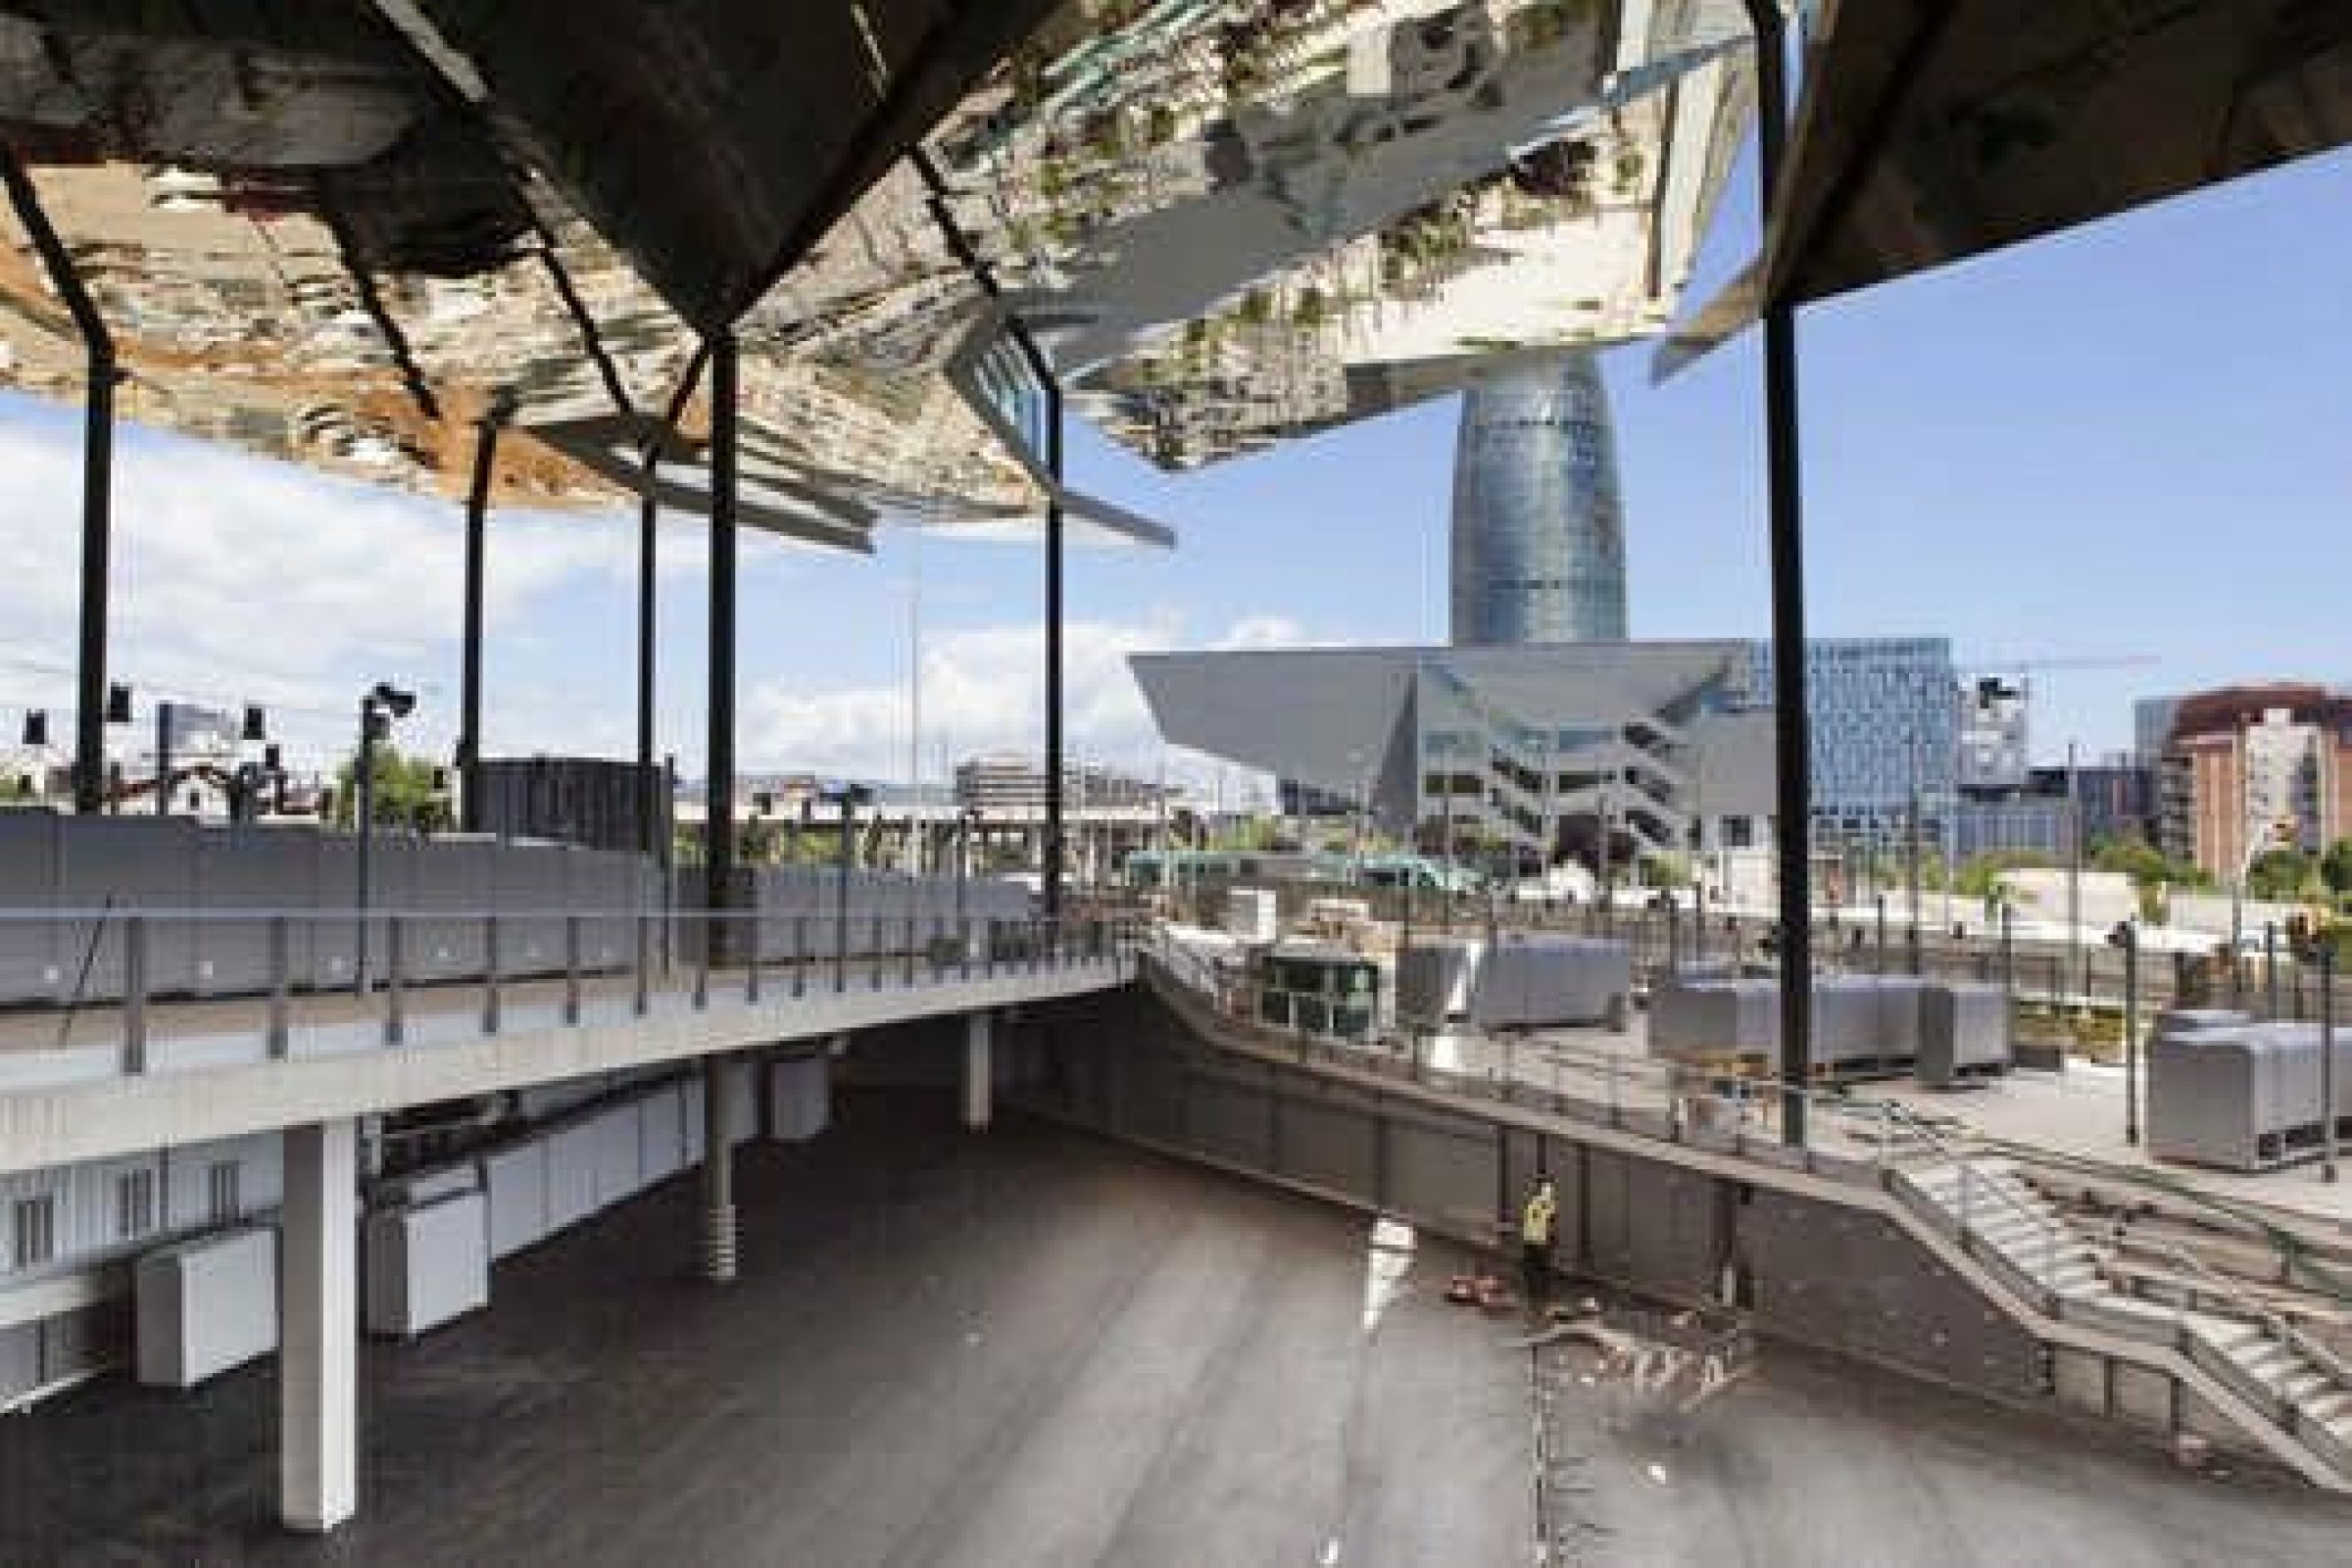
<point x="719" y="1173"/>
<point x="97" y="482"/>
<point x="318" y="1380"/>
<point x="979" y="1066"/>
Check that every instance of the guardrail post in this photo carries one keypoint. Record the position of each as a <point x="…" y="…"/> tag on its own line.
<point x="800" y="954"/>
<point x="2327" y="1116"/>
<point x="963" y="946"/>
<point x="571" y="970"/>
<point x="491" y="1000"/>
<point x="134" y="994"/>
<point x="909" y="971"/>
<point x="750" y="974"/>
<point x="280" y="1031"/>
<point x="841" y="954"/>
<point x="642" y="1001"/>
<point x="703" y="956"/>
<point x="2269" y="969"/>
<point x="396" y="965"/>
<point x="873" y="956"/>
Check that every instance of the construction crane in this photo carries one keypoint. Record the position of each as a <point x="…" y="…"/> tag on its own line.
<point x="2031" y="667"/>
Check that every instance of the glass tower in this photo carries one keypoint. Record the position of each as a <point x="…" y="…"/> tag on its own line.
<point x="1539" y="534"/>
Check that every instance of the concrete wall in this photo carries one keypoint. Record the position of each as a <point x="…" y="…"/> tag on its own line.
<point x="1813" y="1270"/>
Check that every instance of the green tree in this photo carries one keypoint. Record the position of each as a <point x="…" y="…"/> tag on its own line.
<point x="1981" y="876"/>
<point x="408" y="793"/>
<point x="2281" y="874"/>
<point x="2335" y="867"/>
<point x="1671" y="871"/>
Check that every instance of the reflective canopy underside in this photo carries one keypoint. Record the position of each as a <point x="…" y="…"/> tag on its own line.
<point x="1933" y="132"/>
<point x="342" y="232"/>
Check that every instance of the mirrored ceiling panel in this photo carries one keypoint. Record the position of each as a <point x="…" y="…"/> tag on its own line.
<point x="343" y="233"/>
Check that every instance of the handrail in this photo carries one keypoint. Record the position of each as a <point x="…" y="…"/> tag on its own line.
<point x="2260" y="1312"/>
<point x="1678" y="1083"/>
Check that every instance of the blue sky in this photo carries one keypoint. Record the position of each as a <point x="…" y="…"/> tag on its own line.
<point x="2135" y="439"/>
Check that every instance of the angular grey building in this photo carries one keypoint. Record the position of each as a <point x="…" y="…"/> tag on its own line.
<point x="1538" y="532"/>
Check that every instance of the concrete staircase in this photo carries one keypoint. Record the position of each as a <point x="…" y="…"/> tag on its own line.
<point x="2069" y="1272"/>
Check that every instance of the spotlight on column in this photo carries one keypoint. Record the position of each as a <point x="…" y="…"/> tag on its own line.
<point x="36" y="727"/>
<point x="273" y="758"/>
<point x="257" y="723"/>
<point x="118" y="704"/>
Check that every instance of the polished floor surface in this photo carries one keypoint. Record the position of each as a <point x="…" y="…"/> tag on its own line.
<point x="1034" y="1348"/>
<point x="1024" y="1348"/>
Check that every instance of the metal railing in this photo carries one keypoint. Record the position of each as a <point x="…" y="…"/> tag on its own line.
<point x="1677" y="1104"/>
<point x="158" y="988"/>
<point x="1674" y="1101"/>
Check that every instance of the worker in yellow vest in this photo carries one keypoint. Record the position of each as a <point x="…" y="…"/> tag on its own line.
<point x="1535" y="1240"/>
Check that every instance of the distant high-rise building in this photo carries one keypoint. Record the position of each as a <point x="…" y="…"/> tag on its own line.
<point x="1538" y="532"/>
<point x="2252" y="768"/>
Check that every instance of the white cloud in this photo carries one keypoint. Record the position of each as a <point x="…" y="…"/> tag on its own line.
<point x="984" y="690"/>
<point x="235" y="579"/>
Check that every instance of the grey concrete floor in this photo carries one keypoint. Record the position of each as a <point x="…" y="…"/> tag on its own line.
<point x="1031" y="1347"/>
<point x="1021" y="1348"/>
<point x="1814" y="1461"/>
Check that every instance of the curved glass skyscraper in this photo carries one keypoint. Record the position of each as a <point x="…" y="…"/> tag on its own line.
<point x="1539" y="535"/>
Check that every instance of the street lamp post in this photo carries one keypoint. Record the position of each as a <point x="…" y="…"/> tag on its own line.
<point x="1911" y="943"/>
<point x="383" y="703"/>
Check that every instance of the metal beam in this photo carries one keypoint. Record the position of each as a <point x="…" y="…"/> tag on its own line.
<point x="718" y="815"/>
<point x="97" y="482"/>
<point x="649" y="517"/>
<point x="1050" y="869"/>
<point x="371" y="300"/>
<point x="961" y="246"/>
<point x="469" y="641"/>
<point x="1792" y="731"/>
<point x="590" y="338"/>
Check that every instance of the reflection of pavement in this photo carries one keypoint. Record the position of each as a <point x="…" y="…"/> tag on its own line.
<point x="1027" y="1349"/>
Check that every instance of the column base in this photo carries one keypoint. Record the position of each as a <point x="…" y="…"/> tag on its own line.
<point x="720" y="1244"/>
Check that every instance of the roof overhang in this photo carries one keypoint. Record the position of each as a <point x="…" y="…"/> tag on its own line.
<point x="1931" y="131"/>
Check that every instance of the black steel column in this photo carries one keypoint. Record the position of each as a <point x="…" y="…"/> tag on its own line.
<point x="648" y="516"/>
<point x="1051" y="867"/>
<point x="97" y="483"/>
<point x="469" y="645"/>
<point x="1790" y="732"/>
<point x="718" y="832"/>
<point x="718" y="814"/>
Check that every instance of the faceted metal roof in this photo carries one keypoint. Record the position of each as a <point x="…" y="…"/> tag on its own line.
<point x="341" y="231"/>
<point x="1932" y="132"/>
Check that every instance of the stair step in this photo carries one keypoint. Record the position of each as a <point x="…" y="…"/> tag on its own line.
<point x="2225" y="1334"/>
<point x="2329" y="1408"/>
<point x="2273" y="1366"/>
<point x="2306" y="1384"/>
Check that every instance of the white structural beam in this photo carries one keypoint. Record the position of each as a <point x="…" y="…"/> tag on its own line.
<point x="978" y="1070"/>
<point x="318" y="1378"/>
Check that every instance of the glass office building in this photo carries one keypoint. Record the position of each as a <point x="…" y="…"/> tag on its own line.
<point x="1885" y="719"/>
<point x="1538" y="532"/>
